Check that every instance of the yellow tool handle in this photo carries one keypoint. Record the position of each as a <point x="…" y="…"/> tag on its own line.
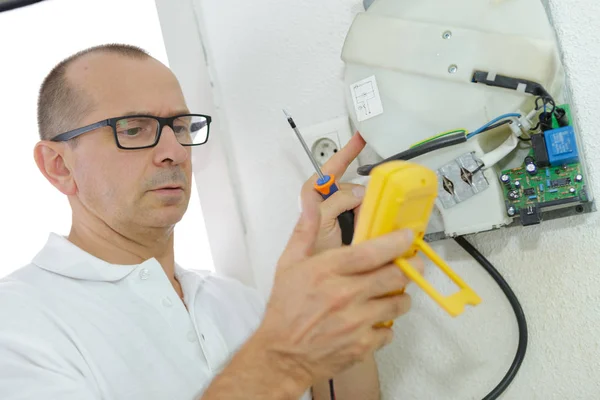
<point x="453" y="304"/>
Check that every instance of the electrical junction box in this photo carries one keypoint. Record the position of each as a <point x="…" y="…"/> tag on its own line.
<point x="474" y="90"/>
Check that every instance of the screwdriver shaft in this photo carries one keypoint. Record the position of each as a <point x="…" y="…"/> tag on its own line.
<point x="308" y="152"/>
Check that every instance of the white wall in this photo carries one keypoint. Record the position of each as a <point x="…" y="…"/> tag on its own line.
<point x="30" y="206"/>
<point x="270" y="54"/>
<point x="212" y="162"/>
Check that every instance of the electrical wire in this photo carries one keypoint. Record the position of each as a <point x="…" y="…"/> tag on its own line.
<point x="331" y="390"/>
<point x="431" y="139"/>
<point x="441" y="143"/>
<point x="508" y="82"/>
<point x="498" y="125"/>
<point x="517" y="309"/>
<point x="519" y="314"/>
<point x="492" y="122"/>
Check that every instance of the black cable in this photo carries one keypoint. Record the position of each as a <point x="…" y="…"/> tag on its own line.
<point x="331" y="390"/>
<point x="519" y="314"/>
<point x="437" y="144"/>
<point x="6" y="5"/>
<point x="508" y="82"/>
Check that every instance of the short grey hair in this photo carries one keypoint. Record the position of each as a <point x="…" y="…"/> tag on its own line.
<point x="60" y="105"/>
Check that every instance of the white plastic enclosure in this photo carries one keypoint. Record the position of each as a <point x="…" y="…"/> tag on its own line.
<point x="422" y="55"/>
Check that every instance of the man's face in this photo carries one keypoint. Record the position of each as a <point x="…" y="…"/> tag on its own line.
<point x="130" y="188"/>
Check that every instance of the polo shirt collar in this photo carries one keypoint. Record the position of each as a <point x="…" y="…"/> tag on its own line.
<point x="62" y="257"/>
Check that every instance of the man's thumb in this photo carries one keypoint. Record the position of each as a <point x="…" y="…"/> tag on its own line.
<point x="304" y="237"/>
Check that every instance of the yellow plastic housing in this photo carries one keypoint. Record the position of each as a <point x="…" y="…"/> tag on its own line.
<point x="401" y="195"/>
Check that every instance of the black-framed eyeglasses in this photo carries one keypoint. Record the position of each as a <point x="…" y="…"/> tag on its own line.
<point x="134" y="132"/>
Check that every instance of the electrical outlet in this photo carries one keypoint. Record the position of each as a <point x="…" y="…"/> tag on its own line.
<point x="325" y="139"/>
<point x="323" y="149"/>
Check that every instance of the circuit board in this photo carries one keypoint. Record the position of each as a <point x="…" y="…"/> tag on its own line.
<point x="528" y="192"/>
<point x="548" y="185"/>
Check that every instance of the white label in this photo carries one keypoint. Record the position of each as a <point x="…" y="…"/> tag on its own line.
<point x="367" y="102"/>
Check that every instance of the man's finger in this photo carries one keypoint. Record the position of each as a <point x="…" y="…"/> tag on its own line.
<point x="303" y="239"/>
<point x="387" y="308"/>
<point x="381" y="282"/>
<point x="345" y="199"/>
<point x="339" y="163"/>
<point x="373" y="254"/>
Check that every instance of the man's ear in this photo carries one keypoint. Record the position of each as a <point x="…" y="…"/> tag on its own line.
<point x="51" y="161"/>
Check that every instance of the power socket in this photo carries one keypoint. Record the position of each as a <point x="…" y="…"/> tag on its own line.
<point x="327" y="138"/>
<point x="324" y="149"/>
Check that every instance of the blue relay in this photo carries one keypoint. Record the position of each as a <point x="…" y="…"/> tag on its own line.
<point x="561" y="146"/>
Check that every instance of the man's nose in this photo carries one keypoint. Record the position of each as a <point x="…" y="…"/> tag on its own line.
<point x="169" y="148"/>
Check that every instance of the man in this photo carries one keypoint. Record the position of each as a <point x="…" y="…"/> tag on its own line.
<point x="105" y="313"/>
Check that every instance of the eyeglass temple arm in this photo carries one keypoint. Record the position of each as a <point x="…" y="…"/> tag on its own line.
<point x="63" y="137"/>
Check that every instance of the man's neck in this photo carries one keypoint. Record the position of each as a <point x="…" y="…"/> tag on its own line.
<point x="118" y="246"/>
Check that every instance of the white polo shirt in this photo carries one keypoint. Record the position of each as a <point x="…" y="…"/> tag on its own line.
<point x="73" y="327"/>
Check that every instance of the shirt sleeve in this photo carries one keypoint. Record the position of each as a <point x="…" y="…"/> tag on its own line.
<point x="36" y="360"/>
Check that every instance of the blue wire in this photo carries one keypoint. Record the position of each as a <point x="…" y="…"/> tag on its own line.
<point x="492" y="122"/>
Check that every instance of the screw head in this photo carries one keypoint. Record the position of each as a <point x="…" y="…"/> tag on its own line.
<point x="453" y="69"/>
<point x="447" y="35"/>
<point x="511" y="211"/>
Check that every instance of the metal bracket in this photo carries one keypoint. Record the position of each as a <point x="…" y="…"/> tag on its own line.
<point x="460" y="180"/>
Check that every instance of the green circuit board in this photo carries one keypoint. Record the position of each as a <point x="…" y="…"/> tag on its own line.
<point x="526" y="194"/>
<point x="548" y="185"/>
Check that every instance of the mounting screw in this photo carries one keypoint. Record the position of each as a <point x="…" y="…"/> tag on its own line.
<point x="447" y="35"/>
<point x="453" y="69"/>
<point x="511" y="211"/>
<point x="579" y="209"/>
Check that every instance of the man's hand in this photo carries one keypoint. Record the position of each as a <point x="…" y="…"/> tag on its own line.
<point x="349" y="196"/>
<point x="320" y="316"/>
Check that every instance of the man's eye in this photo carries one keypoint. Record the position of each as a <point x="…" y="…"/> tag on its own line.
<point x="181" y="129"/>
<point x="130" y="131"/>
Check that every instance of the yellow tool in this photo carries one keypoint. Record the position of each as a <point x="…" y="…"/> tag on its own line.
<point x="401" y="195"/>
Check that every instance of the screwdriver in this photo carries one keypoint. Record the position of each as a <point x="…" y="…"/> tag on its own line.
<point x="326" y="186"/>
